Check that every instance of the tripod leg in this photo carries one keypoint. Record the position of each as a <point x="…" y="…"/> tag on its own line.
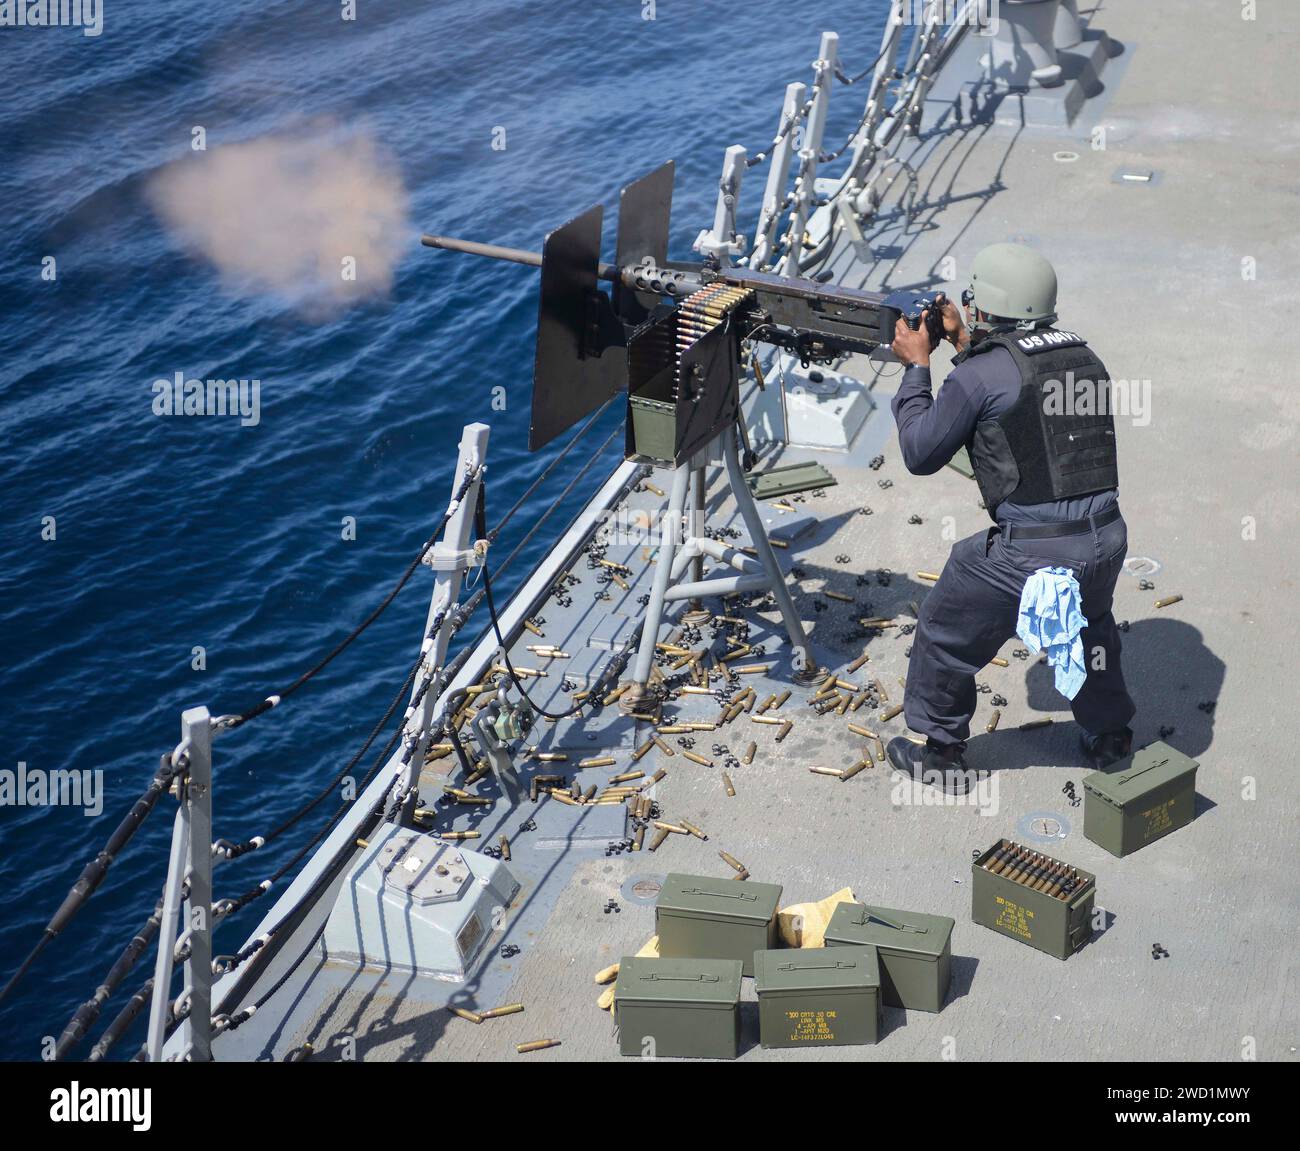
<point x="696" y="612"/>
<point x="805" y="666"/>
<point x="633" y="699"/>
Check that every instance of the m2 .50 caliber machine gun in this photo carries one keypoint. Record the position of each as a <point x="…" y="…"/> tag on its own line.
<point x="672" y="335"/>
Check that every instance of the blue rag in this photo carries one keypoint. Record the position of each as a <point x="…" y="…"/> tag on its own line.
<point x="1051" y="620"/>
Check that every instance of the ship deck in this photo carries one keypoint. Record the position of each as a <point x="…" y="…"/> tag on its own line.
<point x="1152" y="273"/>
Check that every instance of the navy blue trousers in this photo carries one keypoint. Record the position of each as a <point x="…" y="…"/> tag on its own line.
<point x="971" y="612"/>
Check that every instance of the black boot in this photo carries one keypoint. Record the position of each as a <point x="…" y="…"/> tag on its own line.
<point x="939" y="765"/>
<point x="1103" y="750"/>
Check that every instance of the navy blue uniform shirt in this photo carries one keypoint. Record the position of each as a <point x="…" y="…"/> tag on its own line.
<point x="932" y="428"/>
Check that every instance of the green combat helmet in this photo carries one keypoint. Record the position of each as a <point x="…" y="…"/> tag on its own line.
<point x="1015" y="283"/>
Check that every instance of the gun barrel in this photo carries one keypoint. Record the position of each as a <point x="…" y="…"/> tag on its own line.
<point x="498" y="252"/>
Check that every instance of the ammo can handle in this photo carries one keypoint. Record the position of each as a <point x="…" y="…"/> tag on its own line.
<point x="1140" y="770"/>
<point x="719" y="894"/>
<point x="654" y="977"/>
<point x="838" y="965"/>
<point x="863" y="919"/>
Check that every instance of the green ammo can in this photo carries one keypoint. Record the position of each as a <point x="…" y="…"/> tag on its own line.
<point x="679" y="1008"/>
<point x="701" y="917"/>
<point x="1137" y="800"/>
<point x="1059" y="926"/>
<point x="915" y="951"/>
<point x="822" y="997"/>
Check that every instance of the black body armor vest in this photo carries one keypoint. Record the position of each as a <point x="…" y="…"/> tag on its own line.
<point x="1057" y="440"/>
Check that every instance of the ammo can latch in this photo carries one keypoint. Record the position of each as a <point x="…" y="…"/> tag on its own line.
<point x="864" y="918"/>
<point x="838" y="965"/>
<point x="720" y="894"/>
<point x="1140" y="770"/>
<point x="702" y="977"/>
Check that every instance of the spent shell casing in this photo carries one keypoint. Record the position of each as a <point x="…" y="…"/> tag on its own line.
<point x="536" y="1045"/>
<point x="673" y="729"/>
<point x="598" y="761"/>
<point x="698" y="759"/>
<point x="886" y="716"/>
<point x="731" y="861"/>
<point x="504" y="844"/>
<point x="728" y="785"/>
<point x="880" y="748"/>
<point x="850" y="772"/>
<point x="497" y="1012"/>
<point x="833" y="772"/>
<point x="992" y="724"/>
<point x="839" y="595"/>
<point x="786" y="728"/>
<point x="695" y="831"/>
<point x="998" y="661"/>
<point x="643" y="750"/>
<point x="658" y="841"/>
<point x="638" y="837"/>
<point x="464" y="1013"/>
<point x="1169" y="600"/>
<point x="857" y="663"/>
<point x="748" y="757"/>
<point x="880" y="689"/>
<point x="865" y="732"/>
<point x="671" y="828"/>
<point x="626" y="776"/>
<point x="741" y="875"/>
<point x="658" y="775"/>
<point x="930" y="577"/>
<point x="457" y="835"/>
<point x="1029" y="725"/>
<point x="780" y="699"/>
<point x="590" y="793"/>
<point x="771" y="720"/>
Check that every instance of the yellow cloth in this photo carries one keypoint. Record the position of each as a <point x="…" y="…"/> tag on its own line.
<point x="649" y="951"/>
<point x="804" y="924"/>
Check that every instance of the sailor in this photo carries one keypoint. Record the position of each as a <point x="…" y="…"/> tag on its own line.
<point x="1043" y="453"/>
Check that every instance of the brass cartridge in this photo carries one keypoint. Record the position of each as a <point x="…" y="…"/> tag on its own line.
<point x="658" y="841"/>
<point x="992" y="724"/>
<point x="536" y="1045"/>
<point x="728" y="785"/>
<point x="497" y="1012"/>
<point x="463" y="1013"/>
<point x="886" y="716"/>
<point x="731" y="861"/>
<point x="748" y="757"/>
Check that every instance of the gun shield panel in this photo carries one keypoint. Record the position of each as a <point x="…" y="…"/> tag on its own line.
<point x="1139" y="799"/>
<point x="678" y="1008"/>
<point x="822" y="997"/>
<point x="701" y="917"/>
<point x="915" y="951"/>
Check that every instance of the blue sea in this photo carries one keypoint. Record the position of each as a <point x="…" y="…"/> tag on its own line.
<point x="130" y="538"/>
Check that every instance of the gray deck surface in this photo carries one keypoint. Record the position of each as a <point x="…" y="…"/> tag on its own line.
<point x="1152" y="275"/>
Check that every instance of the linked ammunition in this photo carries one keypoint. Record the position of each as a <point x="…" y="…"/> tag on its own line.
<point x="731" y="861"/>
<point x="698" y="759"/>
<point x="463" y="1013"/>
<point x="748" y="757"/>
<point x="728" y="785"/>
<point x="658" y="841"/>
<point x="1168" y="600"/>
<point x="536" y="1045"/>
<point x="886" y="716"/>
<point x="992" y="724"/>
<point x="497" y="1012"/>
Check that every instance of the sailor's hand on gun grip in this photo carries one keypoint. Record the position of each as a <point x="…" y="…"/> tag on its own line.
<point x="954" y="329"/>
<point x="912" y="347"/>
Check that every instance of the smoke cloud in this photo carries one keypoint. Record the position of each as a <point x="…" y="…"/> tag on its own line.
<point x="314" y="215"/>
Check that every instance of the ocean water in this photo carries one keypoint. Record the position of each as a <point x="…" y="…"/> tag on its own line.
<point x="171" y="534"/>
